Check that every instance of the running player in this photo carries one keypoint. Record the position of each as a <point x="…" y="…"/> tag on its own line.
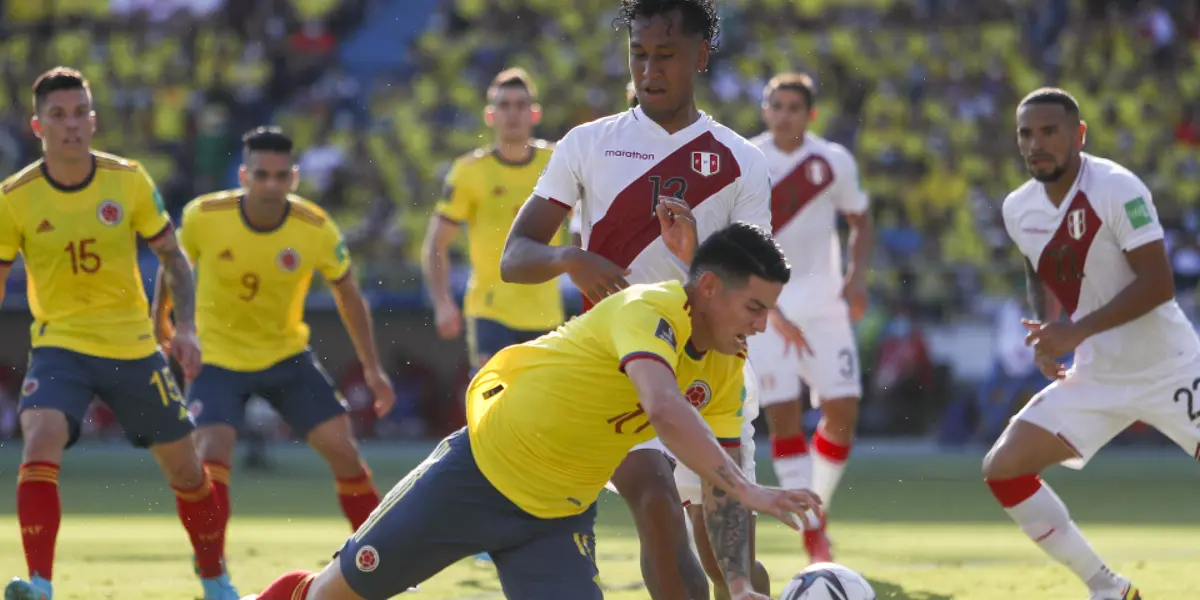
<point x="483" y="191"/>
<point x="1090" y="234"/>
<point x="559" y="402"/>
<point x="75" y="217"/>
<point x="256" y="250"/>
<point x="663" y="155"/>
<point x="815" y="180"/>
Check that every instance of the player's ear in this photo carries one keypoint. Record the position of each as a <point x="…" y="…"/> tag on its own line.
<point x="708" y="285"/>
<point x="243" y="178"/>
<point x="1082" y="133"/>
<point x="294" y="184"/>
<point x="92" y="121"/>
<point x="536" y="109"/>
<point x="36" y="126"/>
<point x="702" y="57"/>
<point x="489" y="116"/>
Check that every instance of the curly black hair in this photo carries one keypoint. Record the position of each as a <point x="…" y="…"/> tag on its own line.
<point x="699" y="16"/>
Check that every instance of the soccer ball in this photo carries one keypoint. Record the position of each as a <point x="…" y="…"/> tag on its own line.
<point x="828" y="581"/>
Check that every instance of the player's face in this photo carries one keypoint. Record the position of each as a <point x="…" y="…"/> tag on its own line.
<point x="513" y="113"/>
<point x="786" y="114"/>
<point x="663" y="62"/>
<point x="1049" y="139"/>
<point x="733" y="313"/>
<point x="65" y="123"/>
<point x="269" y="176"/>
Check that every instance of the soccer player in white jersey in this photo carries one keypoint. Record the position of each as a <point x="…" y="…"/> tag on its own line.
<point x="814" y="180"/>
<point x="647" y="183"/>
<point x="1090" y="235"/>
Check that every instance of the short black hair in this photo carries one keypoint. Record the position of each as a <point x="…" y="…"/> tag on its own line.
<point x="699" y="16"/>
<point x="738" y="251"/>
<point x="1055" y="96"/>
<point x="796" y="82"/>
<point x="266" y="139"/>
<point x="57" y="80"/>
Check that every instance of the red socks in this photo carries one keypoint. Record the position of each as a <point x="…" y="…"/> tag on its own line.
<point x="830" y="451"/>
<point x="218" y="473"/>
<point x="200" y="514"/>
<point x="358" y="497"/>
<point x="39" y="512"/>
<point x="1011" y="492"/>
<point x="292" y="586"/>
<point x="796" y="445"/>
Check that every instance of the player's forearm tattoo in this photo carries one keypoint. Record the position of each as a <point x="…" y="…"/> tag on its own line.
<point x="1035" y="292"/>
<point x="728" y="522"/>
<point x="179" y="280"/>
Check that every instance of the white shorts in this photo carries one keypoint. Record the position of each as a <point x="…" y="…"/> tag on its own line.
<point x="831" y="370"/>
<point x="1087" y="414"/>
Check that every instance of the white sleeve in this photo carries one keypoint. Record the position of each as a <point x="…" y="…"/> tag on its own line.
<point x="851" y="198"/>
<point x="753" y="201"/>
<point x="1130" y="212"/>
<point x="561" y="179"/>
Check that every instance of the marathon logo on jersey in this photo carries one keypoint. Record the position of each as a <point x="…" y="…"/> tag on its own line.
<point x="628" y="154"/>
<point x="698" y="394"/>
<point x="287" y="260"/>
<point x="110" y="213"/>
<point x="366" y="559"/>
<point x="1077" y="223"/>
<point x="665" y="333"/>
<point x="29" y="386"/>
<point x="706" y="163"/>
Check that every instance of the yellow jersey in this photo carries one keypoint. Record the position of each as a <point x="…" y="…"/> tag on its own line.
<point x="550" y="420"/>
<point x="484" y="193"/>
<point x="81" y="256"/>
<point x="251" y="284"/>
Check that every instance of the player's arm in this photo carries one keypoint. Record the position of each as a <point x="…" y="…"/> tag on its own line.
<point x="175" y="278"/>
<point x="729" y="522"/>
<point x="528" y="255"/>
<point x="435" y="257"/>
<point x="5" y="267"/>
<point x="10" y="243"/>
<point x="1042" y="304"/>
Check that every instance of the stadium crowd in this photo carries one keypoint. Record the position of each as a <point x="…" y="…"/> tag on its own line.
<point x="921" y="91"/>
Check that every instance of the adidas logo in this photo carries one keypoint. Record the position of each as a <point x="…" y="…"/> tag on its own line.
<point x="226" y="255"/>
<point x="45" y="226"/>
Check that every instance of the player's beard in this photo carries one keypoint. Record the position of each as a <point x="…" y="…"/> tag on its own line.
<point x="1052" y="176"/>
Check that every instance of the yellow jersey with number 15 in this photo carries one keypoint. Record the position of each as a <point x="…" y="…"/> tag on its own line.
<point x="251" y="284"/>
<point x="81" y="256"/>
<point x="484" y="193"/>
<point x="550" y="420"/>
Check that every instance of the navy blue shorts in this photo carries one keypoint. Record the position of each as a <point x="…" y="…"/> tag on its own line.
<point x="141" y="393"/>
<point x="446" y="510"/>
<point x="486" y="337"/>
<point x="297" y="387"/>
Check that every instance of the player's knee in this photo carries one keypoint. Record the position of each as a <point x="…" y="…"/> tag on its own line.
<point x="215" y="442"/>
<point x="334" y="441"/>
<point x="46" y="433"/>
<point x="841" y="415"/>
<point x="329" y="584"/>
<point x="1004" y="461"/>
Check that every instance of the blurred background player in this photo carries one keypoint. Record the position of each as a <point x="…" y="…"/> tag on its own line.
<point x="1081" y="219"/>
<point x="552" y="403"/>
<point x="256" y="249"/>
<point x="635" y="179"/>
<point x="814" y="180"/>
<point x="75" y="217"/>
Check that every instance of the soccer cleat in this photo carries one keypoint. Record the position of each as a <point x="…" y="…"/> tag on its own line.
<point x="36" y="588"/>
<point x="816" y="541"/>
<point x="219" y="588"/>
<point x="1127" y="592"/>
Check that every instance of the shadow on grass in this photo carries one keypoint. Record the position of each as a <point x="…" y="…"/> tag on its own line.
<point x="885" y="590"/>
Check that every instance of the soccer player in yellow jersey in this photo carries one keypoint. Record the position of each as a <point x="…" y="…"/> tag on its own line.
<point x="256" y="249"/>
<point x="483" y="192"/>
<point x="75" y="217"/>
<point x="550" y="420"/>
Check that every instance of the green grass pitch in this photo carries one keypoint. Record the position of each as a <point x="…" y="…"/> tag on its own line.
<point x="920" y="527"/>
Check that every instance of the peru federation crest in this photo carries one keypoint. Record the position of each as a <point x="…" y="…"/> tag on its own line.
<point x="1077" y="223"/>
<point x="706" y="163"/>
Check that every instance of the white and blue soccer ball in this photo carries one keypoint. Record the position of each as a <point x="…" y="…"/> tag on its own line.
<point x="828" y="581"/>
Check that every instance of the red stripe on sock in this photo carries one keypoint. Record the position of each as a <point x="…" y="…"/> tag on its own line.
<point x="290" y="586"/>
<point x="358" y="497"/>
<point x="200" y="514"/>
<point x="1044" y="536"/>
<point x="784" y="447"/>
<point x="39" y="512"/>
<point x="829" y="450"/>
<point x="1011" y="492"/>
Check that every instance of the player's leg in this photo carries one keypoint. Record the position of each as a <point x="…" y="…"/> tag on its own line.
<point x="778" y="375"/>
<point x="557" y="562"/>
<point x="151" y="409"/>
<point x="669" y="567"/>
<point x="217" y="403"/>
<point x="54" y="399"/>
<point x="308" y="402"/>
<point x="1068" y="422"/>
<point x="327" y="584"/>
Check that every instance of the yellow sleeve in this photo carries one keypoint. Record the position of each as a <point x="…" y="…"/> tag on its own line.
<point x="187" y="222"/>
<point x="640" y="330"/>
<point x="724" y="413"/>
<point x="150" y="218"/>
<point x="457" y="203"/>
<point x="334" y="261"/>
<point x="10" y="233"/>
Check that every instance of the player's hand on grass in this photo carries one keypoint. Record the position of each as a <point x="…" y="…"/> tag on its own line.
<point x="1052" y="339"/>
<point x="788" y="506"/>
<point x="448" y="319"/>
<point x="678" y="226"/>
<point x="596" y="276"/>
<point x="185" y="347"/>
<point x="793" y="336"/>
<point x="381" y="390"/>
<point x="854" y="291"/>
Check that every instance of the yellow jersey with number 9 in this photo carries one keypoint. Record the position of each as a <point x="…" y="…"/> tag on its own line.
<point x="251" y="284"/>
<point x="80" y="247"/>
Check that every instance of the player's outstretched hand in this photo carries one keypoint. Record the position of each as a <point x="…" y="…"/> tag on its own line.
<point x="788" y="506"/>
<point x="186" y="349"/>
<point x="1052" y="339"/>
<point x="793" y="336"/>
<point x="596" y="276"/>
<point x="678" y="226"/>
<point x="448" y="319"/>
<point x="381" y="390"/>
